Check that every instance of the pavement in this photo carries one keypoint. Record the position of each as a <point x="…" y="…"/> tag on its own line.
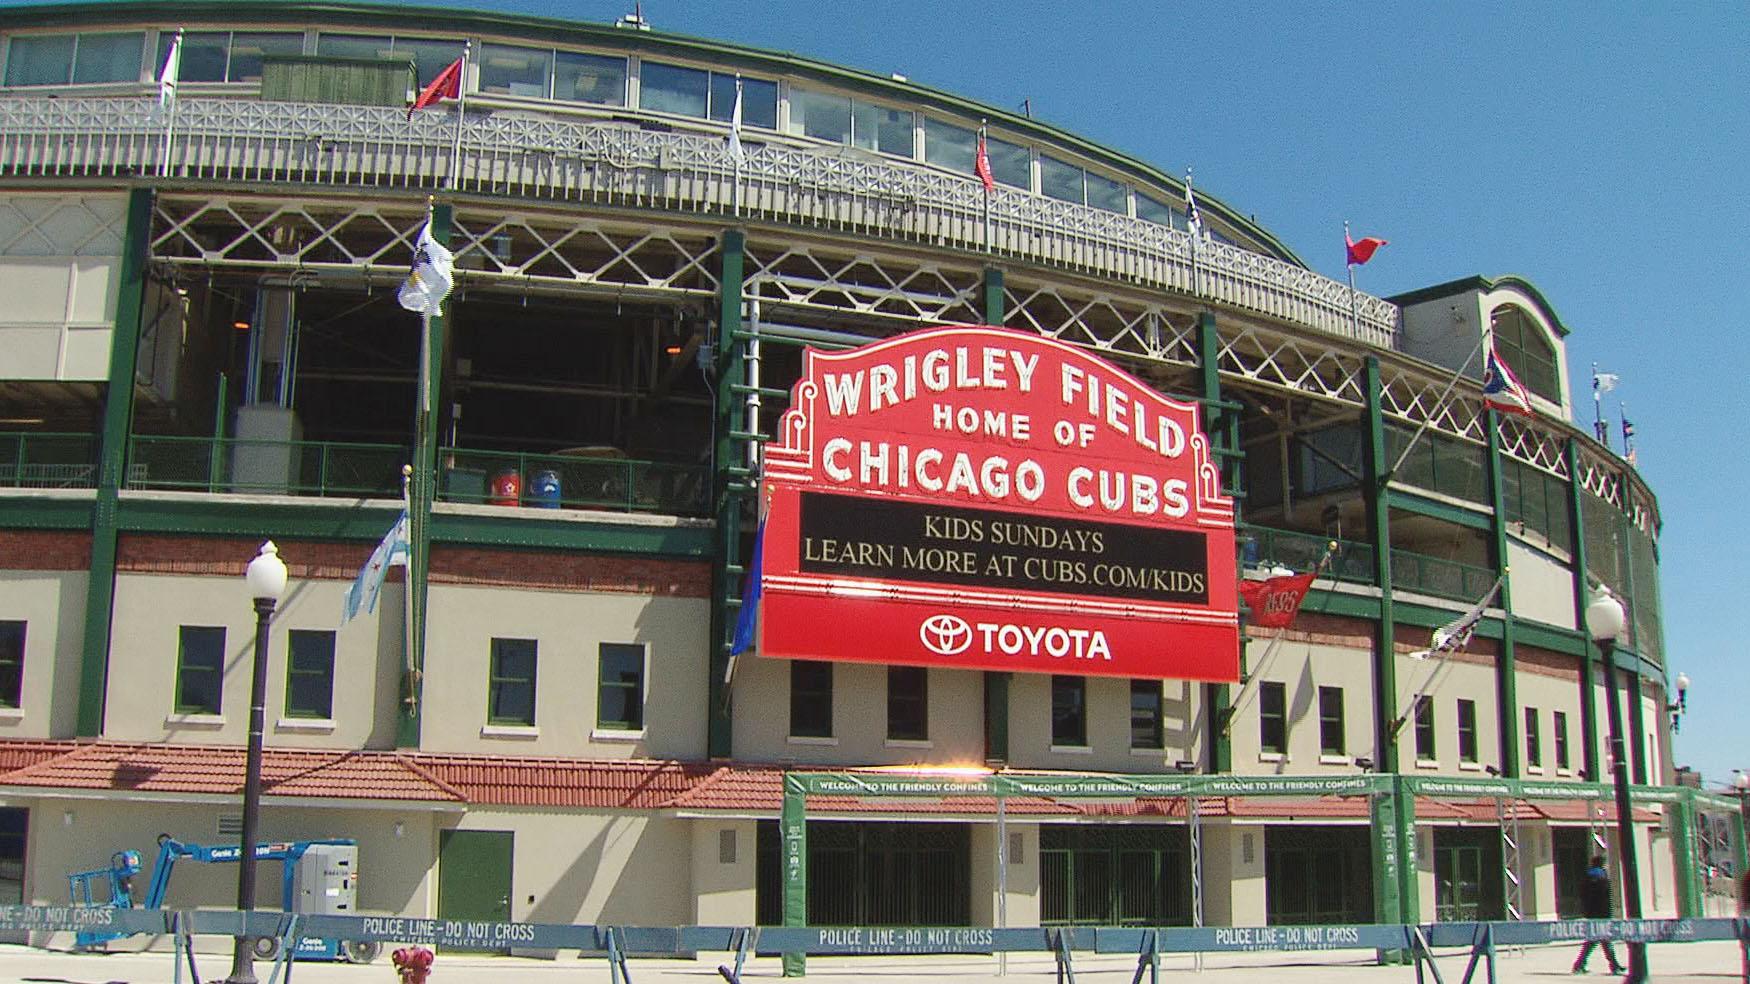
<point x="1714" y="961"/>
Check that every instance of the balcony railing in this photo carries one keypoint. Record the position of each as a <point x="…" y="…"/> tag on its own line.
<point x="1440" y="578"/>
<point x="327" y="469"/>
<point x="48" y="461"/>
<point x="588" y="479"/>
<point x="548" y="157"/>
<point x="1353" y="562"/>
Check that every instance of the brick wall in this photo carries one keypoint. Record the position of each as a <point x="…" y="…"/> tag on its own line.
<point x="45" y="550"/>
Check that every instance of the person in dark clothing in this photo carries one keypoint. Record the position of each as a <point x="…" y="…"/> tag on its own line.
<point x="1595" y="903"/>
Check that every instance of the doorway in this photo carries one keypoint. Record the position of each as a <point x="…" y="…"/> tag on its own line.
<point x="474" y="877"/>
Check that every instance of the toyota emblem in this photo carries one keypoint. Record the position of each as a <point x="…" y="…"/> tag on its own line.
<point x="945" y="635"/>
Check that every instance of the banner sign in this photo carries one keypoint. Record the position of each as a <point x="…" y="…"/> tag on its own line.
<point x="980" y="498"/>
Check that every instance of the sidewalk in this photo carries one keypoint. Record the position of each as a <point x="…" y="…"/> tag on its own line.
<point x="1713" y="962"/>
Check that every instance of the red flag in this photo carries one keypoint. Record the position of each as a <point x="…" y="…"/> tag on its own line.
<point x="448" y="85"/>
<point x="981" y="167"/>
<point x="1275" y="602"/>
<point x="1361" y="250"/>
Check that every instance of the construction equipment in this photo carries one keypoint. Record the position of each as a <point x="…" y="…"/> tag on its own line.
<point x="316" y="877"/>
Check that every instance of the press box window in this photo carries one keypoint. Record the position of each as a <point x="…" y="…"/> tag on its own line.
<point x="1273" y="718"/>
<point x="620" y="692"/>
<point x="200" y="670"/>
<point x="950" y="147"/>
<point x="511" y="71"/>
<point x="1467" y="731"/>
<point x="511" y="683"/>
<point x="57" y="59"/>
<point x="1331" y="738"/>
<point x="429" y="56"/>
<point x="810" y="699"/>
<point x="227" y="56"/>
<point x="1146" y="728"/>
<point x="759" y="101"/>
<point x="1010" y="164"/>
<point x="908" y="703"/>
<point x="11" y="664"/>
<point x="310" y="674"/>
<point x="1069" y="711"/>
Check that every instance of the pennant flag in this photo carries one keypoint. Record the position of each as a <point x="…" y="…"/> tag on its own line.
<point x="429" y="282"/>
<point x="981" y="166"/>
<point x="1604" y="382"/>
<point x="1501" y="389"/>
<point x="1193" y="221"/>
<point x="1453" y="636"/>
<point x="171" y="71"/>
<point x="447" y="85"/>
<point x="735" y="148"/>
<point x="395" y="548"/>
<point x="1275" y="602"/>
<point x="747" y="618"/>
<point x="1361" y="250"/>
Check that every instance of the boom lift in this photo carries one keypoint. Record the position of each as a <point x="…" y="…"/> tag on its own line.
<point x="326" y="883"/>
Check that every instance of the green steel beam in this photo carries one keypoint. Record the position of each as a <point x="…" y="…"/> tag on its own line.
<point x="994" y="312"/>
<point x="1582" y="597"/>
<point x="25" y="512"/>
<point x="1222" y="428"/>
<point x="996" y="683"/>
<point x="793" y="835"/>
<point x="1637" y="754"/>
<point x="1379" y="501"/>
<point x="690" y="541"/>
<point x="1684" y="859"/>
<point x="118" y="416"/>
<point x="728" y="454"/>
<point x="1421" y="505"/>
<point x="1506" y="668"/>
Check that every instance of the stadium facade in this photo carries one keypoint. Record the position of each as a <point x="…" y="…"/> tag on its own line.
<point x="541" y="718"/>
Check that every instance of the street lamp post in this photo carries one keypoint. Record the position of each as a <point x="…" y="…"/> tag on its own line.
<point x="266" y="577"/>
<point x="1604" y="621"/>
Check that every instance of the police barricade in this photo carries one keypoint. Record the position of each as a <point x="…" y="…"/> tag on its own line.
<point x="1483" y="937"/>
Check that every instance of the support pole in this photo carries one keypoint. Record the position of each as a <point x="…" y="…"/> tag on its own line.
<point x="1378" y="500"/>
<point x="1506" y="669"/>
<point x="1588" y="693"/>
<point x="793" y="833"/>
<point x="1625" y="826"/>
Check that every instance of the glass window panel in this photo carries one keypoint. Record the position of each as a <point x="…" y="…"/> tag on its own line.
<point x="1145" y="714"/>
<point x="511" y="685"/>
<point x="1010" y="164"/>
<point x="879" y="128"/>
<point x="1272" y="717"/>
<point x="430" y="55"/>
<point x="673" y="89"/>
<point x="1107" y="194"/>
<point x="1561" y="739"/>
<point x="310" y="674"/>
<point x="759" y="101"/>
<point x="46" y="60"/>
<point x="203" y="55"/>
<point x="810" y="699"/>
<point x="1059" y="180"/>
<point x="948" y="146"/>
<point x="620" y="695"/>
<point x="11" y="663"/>
<point x="247" y="51"/>
<point x="1159" y="213"/>
<point x="1467" y="730"/>
<point x="1331" y="737"/>
<point x="908" y="703"/>
<point x="512" y="71"/>
<point x="200" y="670"/>
<point x="355" y="46"/>
<point x="1069" y="710"/>
<point x="109" y="57"/>
<point x="1533" y="742"/>
<point x="1425" y="748"/>
<point x="820" y="115"/>
<point x="598" y="79"/>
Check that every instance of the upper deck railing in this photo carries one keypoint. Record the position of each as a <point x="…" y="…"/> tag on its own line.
<point x="525" y="154"/>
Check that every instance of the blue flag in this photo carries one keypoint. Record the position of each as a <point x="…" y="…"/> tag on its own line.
<point x="747" y="619"/>
<point x="395" y="548"/>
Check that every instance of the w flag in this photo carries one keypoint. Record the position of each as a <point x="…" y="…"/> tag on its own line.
<point x="1501" y="389"/>
<point x="747" y="619"/>
<point x="447" y="85"/>
<point x="981" y="166"/>
<point x="172" y="70"/>
<point x="395" y="548"/>
<point x="1361" y="250"/>
<point x="735" y="148"/>
<point x="1193" y="221"/>
<point x="1455" y="634"/>
<point x="1275" y="602"/>
<point x="1604" y="382"/>
<point x="433" y="272"/>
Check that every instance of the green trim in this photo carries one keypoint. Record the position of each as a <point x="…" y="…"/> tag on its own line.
<point x="1221" y="427"/>
<point x="1550" y="637"/>
<point x="29" y="512"/>
<point x="316" y="519"/>
<point x="510" y="531"/>
<point x="118" y="415"/>
<point x="1485" y="285"/>
<point x="1685" y="861"/>
<point x="993" y="296"/>
<point x="1506" y="667"/>
<point x="1379" y="500"/>
<point x="793" y="836"/>
<point x="1421" y="505"/>
<point x="1589" y="758"/>
<point x="731" y="420"/>
<point x="787" y="65"/>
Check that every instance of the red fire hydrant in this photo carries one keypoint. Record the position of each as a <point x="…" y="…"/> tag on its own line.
<point x="413" y="963"/>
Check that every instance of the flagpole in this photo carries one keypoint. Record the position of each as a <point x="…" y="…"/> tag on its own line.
<point x="739" y="152"/>
<point x="461" y="108"/>
<point x="1597" y="406"/>
<point x="1354" y="303"/>
<point x="411" y="698"/>
<point x="983" y="136"/>
<point x="1439" y="403"/>
<point x="173" y="72"/>
<point x="1446" y="649"/>
<point x="1194" y="226"/>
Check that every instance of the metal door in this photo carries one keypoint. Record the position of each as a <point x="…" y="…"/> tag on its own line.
<point x="474" y="876"/>
<point x="1458" y="883"/>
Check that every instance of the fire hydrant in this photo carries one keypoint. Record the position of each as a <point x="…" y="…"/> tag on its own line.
<point x="412" y="963"/>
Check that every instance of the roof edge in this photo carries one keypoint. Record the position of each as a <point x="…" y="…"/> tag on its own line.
<point x="1479" y="282"/>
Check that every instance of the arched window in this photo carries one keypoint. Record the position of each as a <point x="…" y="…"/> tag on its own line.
<point x="1523" y="344"/>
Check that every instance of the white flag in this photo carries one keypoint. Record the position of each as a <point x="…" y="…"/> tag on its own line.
<point x="1193" y="221"/>
<point x="1604" y="382"/>
<point x="429" y="282"/>
<point x="735" y="149"/>
<point x="1454" y="634"/>
<point x="172" y="69"/>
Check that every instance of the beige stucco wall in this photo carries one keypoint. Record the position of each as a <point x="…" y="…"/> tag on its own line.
<point x="568" y="629"/>
<point x="1549" y="694"/>
<point x="150" y="610"/>
<point x="1543" y="589"/>
<point x="724" y="890"/>
<point x="1455" y="681"/>
<point x="1304" y="667"/>
<point x="52" y="606"/>
<point x="1233" y="874"/>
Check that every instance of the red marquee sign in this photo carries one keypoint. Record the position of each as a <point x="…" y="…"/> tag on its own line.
<point x="981" y="498"/>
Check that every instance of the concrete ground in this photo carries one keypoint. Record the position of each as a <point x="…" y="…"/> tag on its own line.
<point x="1714" y="962"/>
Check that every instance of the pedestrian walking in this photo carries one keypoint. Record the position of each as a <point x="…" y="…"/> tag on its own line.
<point x="1595" y="903"/>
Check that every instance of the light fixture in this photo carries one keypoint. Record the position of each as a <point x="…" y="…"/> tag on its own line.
<point x="1604" y="617"/>
<point x="240" y="325"/>
<point x="1363" y="763"/>
<point x="266" y="579"/>
<point x="1185" y="766"/>
<point x="1677" y="710"/>
<point x="1604" y="622"/>
<point x="1491" y="770"/>
<point x="1741" y="781"/>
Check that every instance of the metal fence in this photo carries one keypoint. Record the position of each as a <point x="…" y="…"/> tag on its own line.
<point x="48" y="461"/>
<point x="577" y="481"/>
<point x="245" y="466"/>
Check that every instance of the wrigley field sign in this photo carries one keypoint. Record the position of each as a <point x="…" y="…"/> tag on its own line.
<point x="981" y="498"/>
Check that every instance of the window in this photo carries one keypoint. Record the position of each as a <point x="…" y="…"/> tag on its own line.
<point x="200" y="670"/>
<point x="1426" y="750"/>
<point x="1146" y="730"/>
<point x="429" y="55"/>
<point x="1520" y="341"/>
<point x="57" y="59"/>
<point x="1273" y="718"/>
<point x="950" y="147"/>
<point x="1069" y="711"/>
<point x="820" y="115"/>
<point x="598" y="79"/>
<point x="908" y="703"/>
<point x="1107" y="194"/>
<point x="310" y="674"/>
<point x="226" y="56"/>
<point x="512" y="71"/>
<point x="1331" y="721"/>
<point x="1010" y="164"/>
<point x="619" y="704"/>
<point x="1467" y="731"/>
<point x="11" y="664"/>
<point x="879" y="128"/>
<point x="1160" y="213"/>
<point x="1059" y="180"/>
<point x="810" y="699"/>
<point x="1533" y="747"/>
<point x="1561" y="738"/>
<point x="839" y="119"/>
<point x="511" y="683"/>
<point x="673" y="89"/>
<point x="759" y="101"/>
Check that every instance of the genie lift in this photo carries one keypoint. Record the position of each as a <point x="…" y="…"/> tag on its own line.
<point x="318" y="877"/>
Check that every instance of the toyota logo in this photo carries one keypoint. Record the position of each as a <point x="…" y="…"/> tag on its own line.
<point x="945" y="635"/>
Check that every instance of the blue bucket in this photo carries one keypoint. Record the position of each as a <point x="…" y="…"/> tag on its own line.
<point x="544" y="490"/>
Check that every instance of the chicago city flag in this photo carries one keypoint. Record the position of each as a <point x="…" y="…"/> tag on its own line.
<point x="395" y="548"/>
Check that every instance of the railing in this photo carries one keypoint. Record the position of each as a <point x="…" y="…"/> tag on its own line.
<point x="48" y="461"/>
<point x="581" y="481"/>
<point x="246" y="466"/>
<point x="1301" y="552"/>
<point x="526" y="155"/>
<point x="1437" y="577"/>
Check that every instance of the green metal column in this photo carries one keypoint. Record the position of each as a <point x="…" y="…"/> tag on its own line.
<point x="1396" y="896"/>
<point x="1222" y="428"/>
<point x="1378" y="498"/>
<point x="118" y="417"/>
<point x="421" y="492"/>
<point x="996" y="683"/>
<point x="1582" y="597"/>
<point x="993" y="296"/>
<point x="1637" y="754"/>
<point x="1740" y="847"/>
<point x="1506" y="672"/>
<point x="793" y="836"/>
<point x="729" y="487"/>
<point x="1683" y="856"/>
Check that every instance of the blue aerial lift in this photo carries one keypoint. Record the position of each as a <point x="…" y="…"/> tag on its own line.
<point x="338" y="856"/>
